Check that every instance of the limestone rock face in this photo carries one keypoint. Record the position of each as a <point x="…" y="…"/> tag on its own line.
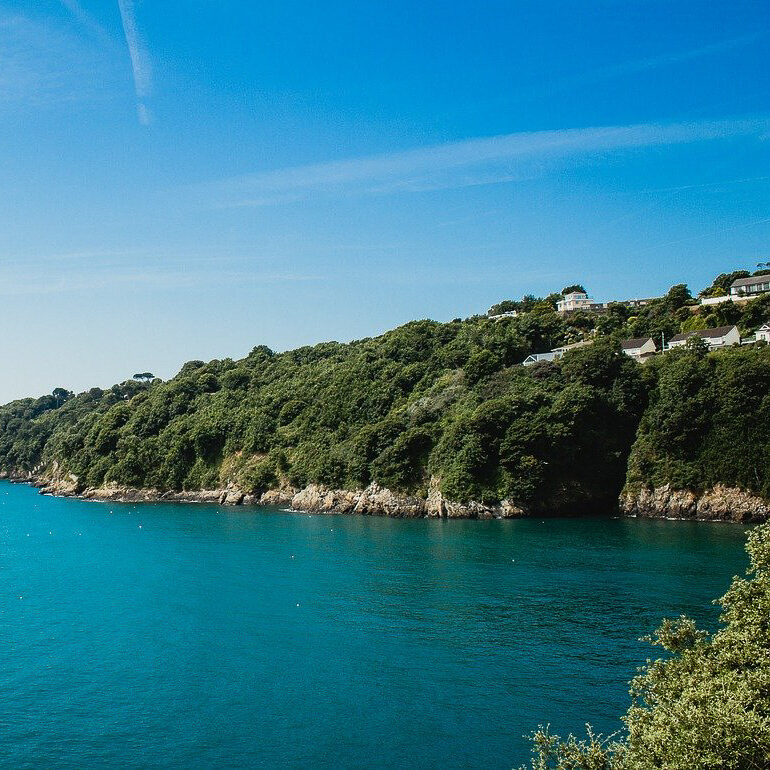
<point x="437" y="506"/>
<point x="731" y="504"/>
<point x="377" y="500"/>
<point x="277" y="496"/>
<point x="63" y="486"/>
<point x="720" y="503"/>
<point x="231" y="495"/>
<point x="114" y="493"/>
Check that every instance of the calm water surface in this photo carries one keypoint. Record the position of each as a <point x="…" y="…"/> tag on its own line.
<point x="183" y="636"/>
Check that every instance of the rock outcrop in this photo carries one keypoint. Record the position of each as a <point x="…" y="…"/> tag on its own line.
<point x="720" y="503"/>
<point x="375" y="500"/>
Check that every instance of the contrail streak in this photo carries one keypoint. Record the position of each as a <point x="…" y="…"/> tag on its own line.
<point x="140" y="61"/>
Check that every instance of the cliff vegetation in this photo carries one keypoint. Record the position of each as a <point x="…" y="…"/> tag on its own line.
<point x="428" y="404"/>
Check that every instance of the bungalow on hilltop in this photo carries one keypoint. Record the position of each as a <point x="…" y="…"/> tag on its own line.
<point x="750" y="287"/>
<point x="721" y="337"/>
<point x="639" y="348"/>
<point x="578" y="300"/>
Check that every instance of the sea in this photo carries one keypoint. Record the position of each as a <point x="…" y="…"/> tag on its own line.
<point x="198" y="636"/>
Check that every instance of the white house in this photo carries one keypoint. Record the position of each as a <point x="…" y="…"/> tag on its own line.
<point x="553" y="355"/>
<point x="534" y="358"/>
<point x="749" y="287"/>
<point x="639" y="348"/>
<point x="721" y="337"/>
<point x="763" y="333"/>
<point x="575" y="300"/>
<point x="506" y="314"/>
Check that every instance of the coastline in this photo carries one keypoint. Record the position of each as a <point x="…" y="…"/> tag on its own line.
<point x="718" y="504"/>
<point x="375" y="500"/>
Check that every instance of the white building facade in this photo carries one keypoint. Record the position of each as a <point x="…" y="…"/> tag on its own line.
<point x="639" y="348"/>
<point x="763" y="333"/>
<point x="750" y="287"/>
<point x="575" y="300"/>
<point x="721" y="337"/>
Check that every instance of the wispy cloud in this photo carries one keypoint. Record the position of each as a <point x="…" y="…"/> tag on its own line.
<point x="140" y="60"/>
<point x="487" y="160"/>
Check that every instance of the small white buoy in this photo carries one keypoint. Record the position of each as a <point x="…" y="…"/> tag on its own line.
<point x="297" y="602"/>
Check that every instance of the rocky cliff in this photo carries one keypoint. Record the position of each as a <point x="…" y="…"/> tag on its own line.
<point x="720" y="503"/>
<point x="375" y="500"/>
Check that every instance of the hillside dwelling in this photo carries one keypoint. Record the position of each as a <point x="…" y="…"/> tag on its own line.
<point x="721" y="337"/>
<point x="575" y="300"/>
<point x="553" y="355"/>
<point x="534" y="358"/>
<point x="763" y="333"/>
<point x="750" y="287"/>
<point x="639" y="348"/>
<point x="632" y="303"/>
<point x="506" y="314"/>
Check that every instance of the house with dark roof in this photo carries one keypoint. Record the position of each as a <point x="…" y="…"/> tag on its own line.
<point x="639" y="348"/>
<point x="750" y="287"/>
<point x="721" y="337"/>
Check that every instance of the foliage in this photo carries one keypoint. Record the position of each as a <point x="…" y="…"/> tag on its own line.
<point x="708" y="422"/>
<point x="722" y="283"/>
<point x="574" y="287"/>
<point x="443" y="400"/>
<point x="706" y="705"/>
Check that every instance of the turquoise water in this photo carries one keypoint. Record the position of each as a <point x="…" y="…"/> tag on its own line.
<point x="184" y="636"/>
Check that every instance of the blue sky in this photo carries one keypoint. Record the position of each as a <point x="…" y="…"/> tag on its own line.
<point x="189" y="179"/>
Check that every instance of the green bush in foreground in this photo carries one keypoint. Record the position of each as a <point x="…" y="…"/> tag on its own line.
<point x="706" y="706"/>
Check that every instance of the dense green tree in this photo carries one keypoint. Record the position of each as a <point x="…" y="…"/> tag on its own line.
<point x="706" y="705"/>
<point x="722" y="283"/>
<point x="441" y="400"/>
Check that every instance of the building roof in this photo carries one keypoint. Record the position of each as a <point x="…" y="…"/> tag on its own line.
<point x="533" y="358"/>
<point x="708" y="334"/>
<point x="738" y="282"/>
<point x="636" y="342"/>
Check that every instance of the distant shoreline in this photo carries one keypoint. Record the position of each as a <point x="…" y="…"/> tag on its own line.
<point x="721" y="504"/>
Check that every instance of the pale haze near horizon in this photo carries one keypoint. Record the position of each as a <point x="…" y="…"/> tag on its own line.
<point x="190" y="180"/>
